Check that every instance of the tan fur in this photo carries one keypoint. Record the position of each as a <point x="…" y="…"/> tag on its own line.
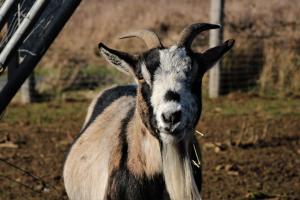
<point x="114" y="162"/>
<point x="143" y="150"/>
<point x="87" y="169"/>
<point x="143" y="110"/>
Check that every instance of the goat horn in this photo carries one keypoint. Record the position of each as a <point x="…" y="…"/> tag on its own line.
<point x="149" y="37"/>
<point x="189" y="33"/>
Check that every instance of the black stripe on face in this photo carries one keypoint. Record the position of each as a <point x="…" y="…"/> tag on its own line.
<point x="152" y="62"/>
<point x="172" y="96"/>
<point x="123" y="137"/>
<point x="146" y="94"/>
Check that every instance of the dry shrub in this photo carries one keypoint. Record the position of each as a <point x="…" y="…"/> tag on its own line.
<point x="103" y="20"/>
<point x="281" y="72"/>
<point x="263" y="19"/>
<point x="271" y="29"/>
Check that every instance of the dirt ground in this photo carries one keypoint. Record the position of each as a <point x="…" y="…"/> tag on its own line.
<point x="247" y="154"/>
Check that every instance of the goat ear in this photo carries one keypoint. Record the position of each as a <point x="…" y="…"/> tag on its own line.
<point x="212" y="55"/>
<point x="121" y="60"/>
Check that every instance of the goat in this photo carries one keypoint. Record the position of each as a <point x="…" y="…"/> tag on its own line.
<point x="137" y="140"/>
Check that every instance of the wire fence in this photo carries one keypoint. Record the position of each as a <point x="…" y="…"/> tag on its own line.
<point x="266" y="66"/>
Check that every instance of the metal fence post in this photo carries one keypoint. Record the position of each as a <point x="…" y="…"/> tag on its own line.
<point x="215" y="38"/>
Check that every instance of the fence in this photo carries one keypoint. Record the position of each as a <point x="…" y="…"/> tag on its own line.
<point x="32" y="27"/>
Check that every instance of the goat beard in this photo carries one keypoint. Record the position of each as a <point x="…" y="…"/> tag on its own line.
<point x="177" y="171"/>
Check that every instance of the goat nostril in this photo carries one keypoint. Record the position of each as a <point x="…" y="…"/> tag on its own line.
<point x="165" y="118"/>
<point x="167" y="129"/>
<point x="176" y="116"/>
<point x="172" y="118"/>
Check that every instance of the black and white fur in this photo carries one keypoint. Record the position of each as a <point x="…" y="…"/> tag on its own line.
<point x="136" y="142"/>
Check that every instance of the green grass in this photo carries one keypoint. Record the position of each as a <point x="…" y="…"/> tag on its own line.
<point x="273" y="108"/>
<point x="43" y="71"/>
<point x="55" y="81"/>
<point x="60" y="110"/>
<point x="106" y="72"/>
<point x="45" y="114"/>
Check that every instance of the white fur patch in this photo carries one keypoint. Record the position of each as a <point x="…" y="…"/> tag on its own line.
<point x="167" y="138"/>
<point x="178" y="175"/>
<point x="87" y="178"/>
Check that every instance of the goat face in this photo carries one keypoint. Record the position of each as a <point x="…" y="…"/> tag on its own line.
<point x="169" y="80"/>
<point x="172" y="81"/>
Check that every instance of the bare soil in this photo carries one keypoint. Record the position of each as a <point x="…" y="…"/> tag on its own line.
<point x="245" y="156"/>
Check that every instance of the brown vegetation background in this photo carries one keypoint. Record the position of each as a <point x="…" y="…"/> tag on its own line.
<point x="266" y="32"/>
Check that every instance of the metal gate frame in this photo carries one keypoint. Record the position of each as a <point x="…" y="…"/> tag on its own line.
<point x="38" y="41"/>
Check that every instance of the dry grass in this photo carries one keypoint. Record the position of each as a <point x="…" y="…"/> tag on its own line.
<point x="103" y="20"/>
<point x="252" y="23"/>
<point x="281" y="72"/>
